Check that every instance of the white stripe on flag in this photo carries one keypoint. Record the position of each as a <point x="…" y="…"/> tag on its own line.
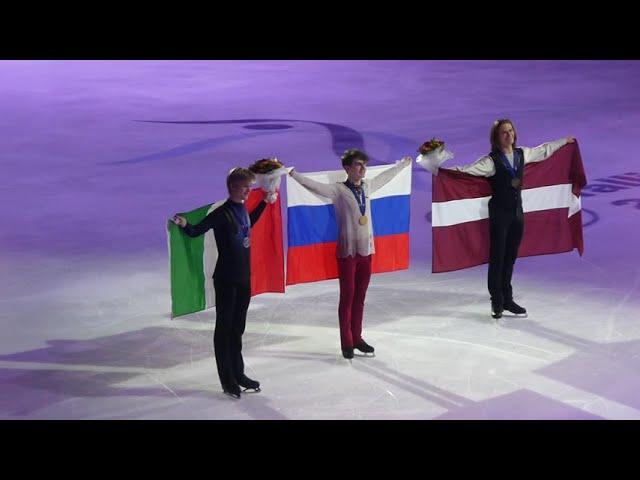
<point x="576" y="205"/>
<point x="454" y="212"/>
<point x="399" y="185"/>
<point x="298" y="195"/>
<point x="209" y="259"/>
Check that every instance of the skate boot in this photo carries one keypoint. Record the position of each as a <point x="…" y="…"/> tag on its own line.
<point x="347" y="353"/>
<point x="233" y="390"/>
<point x="513" y="307"/>
<point x="248" y="384"/>
<point x="365" y="348"/>
<point x="496" y="310"/>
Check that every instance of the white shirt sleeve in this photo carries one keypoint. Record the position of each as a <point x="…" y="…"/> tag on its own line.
<point x="483" y="167"/>
<point x="542" y="152"/>
<point x="327" y="190"/>
<point x="385" y="177"/>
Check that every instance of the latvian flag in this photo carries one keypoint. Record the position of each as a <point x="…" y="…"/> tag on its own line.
<point x="313" y="232"/>
<point x="193" y="260"/>
<point x="550" y="200"/>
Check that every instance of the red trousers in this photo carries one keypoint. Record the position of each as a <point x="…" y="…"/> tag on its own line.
<point x="354" y="274"/>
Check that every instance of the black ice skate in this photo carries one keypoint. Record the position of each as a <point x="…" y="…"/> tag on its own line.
<point x="232" y="390"/>
<point x="347" y="353"/>
<point x="252" y="386"/>
<point x="496" y="310"/>
<point x="365" y="348"/>
<point x="514" y="308"/>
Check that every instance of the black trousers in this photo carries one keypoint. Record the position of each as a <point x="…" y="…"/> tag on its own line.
<point x="506" y="227"/>
<point x="232" y="302"/>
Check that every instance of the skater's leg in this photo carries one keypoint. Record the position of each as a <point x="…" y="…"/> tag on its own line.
<point x="362" y="278"/>
<point x="225" y="306"/>
<point x="513" y="239"/>
<point x="239" y="323"/>
<point x="498" y="237"/>
<point x="346" y="275"/>
<point x="243" y="297"/>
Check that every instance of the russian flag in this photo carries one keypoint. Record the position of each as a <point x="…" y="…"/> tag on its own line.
<point x="550" y="201"/>
<point x="313" y="232"/>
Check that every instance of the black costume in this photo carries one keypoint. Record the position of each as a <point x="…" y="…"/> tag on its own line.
<point x="231" y="225"/>
<point x="506" y="220"/>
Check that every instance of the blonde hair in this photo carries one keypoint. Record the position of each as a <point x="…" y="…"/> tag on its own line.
<point x="238" y="174"/>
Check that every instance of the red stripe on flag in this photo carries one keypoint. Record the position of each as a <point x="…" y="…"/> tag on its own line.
<point x="453" y="185"/>
<point x="564" y="166"/>
<point x="467" y="244"/>
<point x="316" y="262"/>
<point x="392" y="253"/>
<point x="460" y="246"/>
<point x="312" y="263"/>
<point x="546" y="231"/>
<point x="575" y="224"/>
<point x="267" y="251"/>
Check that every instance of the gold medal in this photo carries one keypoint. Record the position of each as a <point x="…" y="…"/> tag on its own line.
<point x="363" y="220"/>
<point x="515" y="183"/>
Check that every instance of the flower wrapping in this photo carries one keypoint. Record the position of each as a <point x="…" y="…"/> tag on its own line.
<point x="432" y="155"/>
<point x="269" y="172"/>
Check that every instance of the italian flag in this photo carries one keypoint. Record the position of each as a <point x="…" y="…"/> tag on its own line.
<point x="193" y="260"/>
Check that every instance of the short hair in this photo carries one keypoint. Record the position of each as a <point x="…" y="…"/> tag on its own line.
<point x="349" y="156"/>
<point x="238" y="174"/>
<point x="495" y="129"/>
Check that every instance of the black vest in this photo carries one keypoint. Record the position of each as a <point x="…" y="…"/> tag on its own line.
<point x="505" y="195"/>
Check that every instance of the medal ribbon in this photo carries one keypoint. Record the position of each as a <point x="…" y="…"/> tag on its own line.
<point x="360" y="198"/>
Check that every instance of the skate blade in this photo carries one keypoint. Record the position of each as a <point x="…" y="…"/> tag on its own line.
<point x="232" y="395"/>
<point x="252" y="390"/>
<point x="516" y="315"/>
<point x="370" y="355"/>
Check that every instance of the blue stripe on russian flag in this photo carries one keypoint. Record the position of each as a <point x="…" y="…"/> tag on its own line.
<point x="317" y="224"/>
<point x="312" y="224"/>
<point x="390" y="215"/>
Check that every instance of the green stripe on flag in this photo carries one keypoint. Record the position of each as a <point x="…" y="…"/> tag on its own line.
<point x="186" y="263"/>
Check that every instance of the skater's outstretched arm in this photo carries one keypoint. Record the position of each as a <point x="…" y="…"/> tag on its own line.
<point x="385" y="177"/>
<point x="483" y="167"/>
<point x="327" y="190"/>
<point x="196" y="230"/>
<point x="544" y="151"/>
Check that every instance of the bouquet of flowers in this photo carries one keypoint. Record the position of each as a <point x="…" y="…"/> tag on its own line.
<point x="266" y="165"/>
<point x="269" y="172"/>
<point x="432" y="155"/>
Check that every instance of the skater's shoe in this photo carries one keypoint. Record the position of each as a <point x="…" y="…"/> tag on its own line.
<point x="248" y="384"/>
<point x="364" y="347"/>
<point x="347" y="353"/>
<point x="496" y="310"/>
<point x="233" y="390"/>
<point x="513" y="307"/>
